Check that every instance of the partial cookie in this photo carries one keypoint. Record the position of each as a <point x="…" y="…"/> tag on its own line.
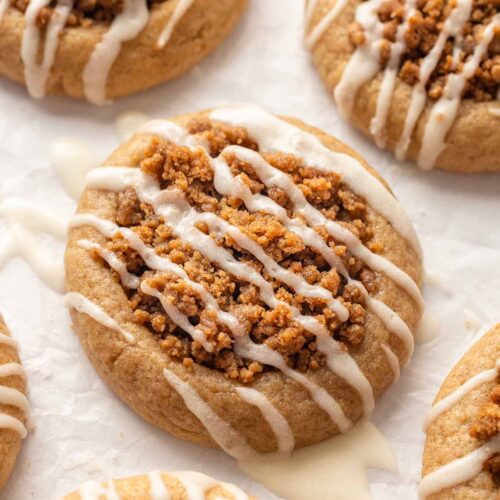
<point x="462" y="449"/>
<point x="14" y="407"/>
<point x="418" y="78"/>
<point x="102" y="50"/>
<point x="243" y="280"/>
<point x="161" y="486"/>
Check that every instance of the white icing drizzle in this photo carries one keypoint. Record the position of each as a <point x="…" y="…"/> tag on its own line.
<point x="36" y="74"/>
<point x="393" y="361"/>
<point x="277" y="422"/>
<point x="157" y="486"/>
<point x="85" y="306"/>
<point x="126" y="26"/>
<point x="197" y="485"/>
<point x="454" y="397"/>
<point x="12" y="369"/>
<point x="460" y="470"/>
<point x="4" y="5"/>
<point x="181" y="8"/>
<point x="7" y="340"/>
<point x="14" y="424"/>
<point x="445" y="110"/>
<point x="319" y="30"/>
<point x="24" y="222"/>
<point x="128" y="280"/>
<point x="220" y="431"/>
<point x="13" y="397"/>
<point x="364" y="65"/>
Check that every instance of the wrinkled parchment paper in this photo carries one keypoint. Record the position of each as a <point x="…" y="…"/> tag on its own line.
<point x="83" y="431"/>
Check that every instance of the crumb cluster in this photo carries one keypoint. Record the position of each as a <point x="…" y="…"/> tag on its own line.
<point x="190" y="171"/>
<point x="423" y="30"/>
<point x="486" y="425"/>
<point x="85" y="13"/>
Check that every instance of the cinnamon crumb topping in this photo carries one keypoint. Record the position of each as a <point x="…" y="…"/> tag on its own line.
<point x="423" y="30"/>
<point x="486" y="425"/>
<point x="189" y="171"/>
<point x="85" y="13"/>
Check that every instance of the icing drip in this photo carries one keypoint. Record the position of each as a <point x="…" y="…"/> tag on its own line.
<point x="24" y="222"/>
<point x="278" y="423"/>
<point x="197" y="485"/>
<point x="126" y="26"/>
<point x="85" y="306"/>
<point x="180" y="9"/>
<point x="158" y="488"/>
<point x="460" y="470"/>
<point x="453" y="398"/>
<point x="36" y="74"/>
<point x="319" y="30"/>
<point x="220" y="431"/>
<point x="445" y="110"/>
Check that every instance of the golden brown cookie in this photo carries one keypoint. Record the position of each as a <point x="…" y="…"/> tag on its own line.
<point x="102" y="50"/>
<point x="243" y="280"/>
<point x="14" y="411"/>
<point x="159" y="486"/>
<point x="462" y="449"/>
<point x="419" y="78"/>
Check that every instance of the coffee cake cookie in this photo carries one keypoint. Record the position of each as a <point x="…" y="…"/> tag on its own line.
<point x="160" y="486"/>
<point x="462" y="449"/>
<point x="101" y="50"/>
<point x="421" y="78"/>
<point x="14" y="407"/>
<point x="243" y="280"/>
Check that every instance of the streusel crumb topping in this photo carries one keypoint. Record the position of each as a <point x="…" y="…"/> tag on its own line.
<point x="189" y="171"/>
<point x="423" y="30"/>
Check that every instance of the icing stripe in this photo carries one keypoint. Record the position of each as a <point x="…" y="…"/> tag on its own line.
<point x="11" y="370"/>
<point x="126" y="26"/>
<point x="13" y="397"/>
<point x="158" y="488"/>
<point x="277" y="422"/>
<point x="7" y="340"/>
<point x="4" y="5"/>
<point x="197" y="485"/>
<point x="319" y="30"/>
<point x="393" y="361"/>
<point x="456" y="396"/>
<point x="274" y="134"/>
<point x="460" y="470"/>
<point x="11" y="423"/>
<point x="220" y="431"/>
<point x="95" y="490"/>
<point x="85" y="306"/>
<point x="180" y="9"/>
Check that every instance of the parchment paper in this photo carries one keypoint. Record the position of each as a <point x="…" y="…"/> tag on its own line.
<point x="83" y="431"/>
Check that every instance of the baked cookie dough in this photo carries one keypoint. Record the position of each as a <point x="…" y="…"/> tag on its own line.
<point x="101" y="50"/>
<point x="14" y="407"/>
<point x="243" y="280"/>
<point x="420" y="78"/>
<point x="462" y="449"/>
<point x="160" y="486"/>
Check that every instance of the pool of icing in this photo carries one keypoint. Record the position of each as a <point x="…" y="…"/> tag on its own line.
<point x="452" y="215"/>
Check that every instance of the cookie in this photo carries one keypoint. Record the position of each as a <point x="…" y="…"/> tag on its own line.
<point x="462" y="449"/>
<point x="103" y="50"/>
<point x="418" y="78"/>
<point x="14" y="407"/>
<point x="160" y="486"/>
<point x="243" y="280"/>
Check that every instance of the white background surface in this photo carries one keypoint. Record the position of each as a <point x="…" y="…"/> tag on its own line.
<point x="83" y="431"/>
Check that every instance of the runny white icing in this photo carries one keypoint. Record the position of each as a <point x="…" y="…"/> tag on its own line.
<point x="11" y="396"/>
<point x="25" y="222"/>
<point x="72" y="160"/>
<point x="272" y="134"/>
<point x="128" y="123"/>
<point x="319" y="30"/>
<point x="85" y="306"/>
<point x="320" y="471"/>
<point x="157" y="487"/>
<point x="458" y="394"/>
<point x="181" y="8"/>
<point x="428" y="328"/>
<point x="279" y="425"/>
<point x="469" y="466"/>
<point x="220" y="431"/>
<point x="126" y="26"/>
<point x="364" y="65"/>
